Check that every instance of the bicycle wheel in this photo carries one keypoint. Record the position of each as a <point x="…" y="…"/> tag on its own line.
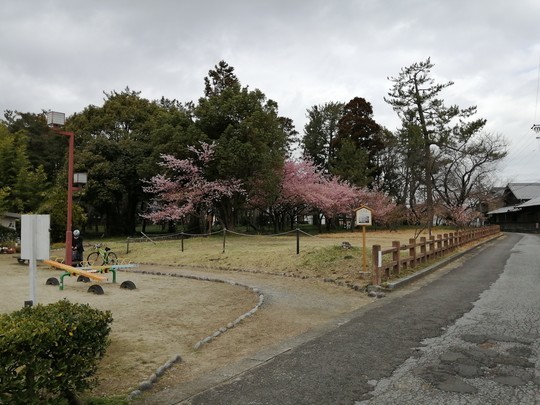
<point x="112" y="258"/>
<point x="94" y="259"/>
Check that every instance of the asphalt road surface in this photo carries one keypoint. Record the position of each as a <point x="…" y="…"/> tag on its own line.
<point x="472" y="336"/>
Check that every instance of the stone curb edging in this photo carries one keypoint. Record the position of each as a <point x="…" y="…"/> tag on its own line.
<point x="337" y="282"/>
<point x="147" y="384"/>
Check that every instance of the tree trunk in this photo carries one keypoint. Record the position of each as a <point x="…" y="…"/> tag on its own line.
<point x="227" y="213"/>
<point x="429" y="188"/>
<point x="72" y="398"/>
<point x="427" y="159"/>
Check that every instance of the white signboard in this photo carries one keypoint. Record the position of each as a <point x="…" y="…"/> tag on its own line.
<point x="35" y="239"/>
<point x="363" y="216"/>
<point x="35" y="243"/>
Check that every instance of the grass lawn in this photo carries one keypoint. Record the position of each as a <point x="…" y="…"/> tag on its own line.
<point x="319" y="256"/>
<point x="165" y="315"/>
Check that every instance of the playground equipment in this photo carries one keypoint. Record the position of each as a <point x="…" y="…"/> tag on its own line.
<point x="87" y="273"/>
<point x="20" y="259"/>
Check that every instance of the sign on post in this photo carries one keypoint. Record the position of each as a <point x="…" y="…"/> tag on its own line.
<point x="35" y="243"/>
<point x="363" y="216"/>
<point x="363" y="219"/>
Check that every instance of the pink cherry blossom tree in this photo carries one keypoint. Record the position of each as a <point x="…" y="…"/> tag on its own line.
<point x="460" y="216"/>
<point x="306" y="189"/>
<point x="385" y="211"/>
<point x="185" y="190"/>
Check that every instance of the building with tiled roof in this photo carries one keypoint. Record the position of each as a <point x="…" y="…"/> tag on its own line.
<point x="520" y="210"/>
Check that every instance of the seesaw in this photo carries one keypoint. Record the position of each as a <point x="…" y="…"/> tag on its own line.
<point x="86" y="274"/>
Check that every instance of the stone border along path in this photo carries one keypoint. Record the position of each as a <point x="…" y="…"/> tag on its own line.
<point x="336" y="281"/>
<point x="148" y="384"/>
<point x="373" y="291"/>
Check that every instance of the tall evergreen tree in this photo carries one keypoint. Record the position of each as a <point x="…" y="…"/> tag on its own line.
<point x="22" y="186"/>
<point x="357" y="129"/>
<point x="320" y="132"/>
<point x="250" y="137"/>
<point x="43" y="147"/>
<point x="415" y="96"/>
<point x="113" y="143"/>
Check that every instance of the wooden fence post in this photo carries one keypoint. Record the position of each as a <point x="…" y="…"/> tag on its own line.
<point x="224" y="238"/>
<point x="412" y="251"/>
<point x="376" y="271"/>
<point x="395" y="257"/>
<point x="423" y="252"/>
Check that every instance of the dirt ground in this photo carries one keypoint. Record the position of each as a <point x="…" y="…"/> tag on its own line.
<point x="165" y="316"/>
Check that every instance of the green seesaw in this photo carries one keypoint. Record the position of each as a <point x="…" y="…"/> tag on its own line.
<point x="85" y="274"/>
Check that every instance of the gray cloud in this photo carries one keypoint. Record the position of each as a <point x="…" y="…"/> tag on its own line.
<point x="63" y="54"/>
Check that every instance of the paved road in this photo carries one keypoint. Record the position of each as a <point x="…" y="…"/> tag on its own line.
<point x="488" y="356"/>
<point x="471" y="336"/>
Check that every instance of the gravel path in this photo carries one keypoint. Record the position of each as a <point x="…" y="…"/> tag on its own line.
<point x="287" y="311"/>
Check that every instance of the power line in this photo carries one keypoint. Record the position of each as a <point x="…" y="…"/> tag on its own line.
<point x="536" y="127"/>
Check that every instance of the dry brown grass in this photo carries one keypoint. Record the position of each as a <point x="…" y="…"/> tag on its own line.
<point x="165" y="315"/>
<point x="320" y="256"/>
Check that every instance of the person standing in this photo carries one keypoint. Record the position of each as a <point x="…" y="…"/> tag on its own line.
<point x="77" y="248"/>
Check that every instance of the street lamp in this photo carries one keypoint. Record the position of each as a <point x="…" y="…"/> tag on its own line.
<point x="56" y="120"/>
<point x="536" y="128"/>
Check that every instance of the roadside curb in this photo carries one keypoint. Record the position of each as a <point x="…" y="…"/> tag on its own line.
<point x="422" y="273"/>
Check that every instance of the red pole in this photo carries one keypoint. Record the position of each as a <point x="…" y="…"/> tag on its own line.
<point x="68" y="258"/>
<point x="55" y="126"/>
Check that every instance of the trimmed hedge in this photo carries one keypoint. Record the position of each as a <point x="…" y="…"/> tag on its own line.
<point x="49" y="353"/>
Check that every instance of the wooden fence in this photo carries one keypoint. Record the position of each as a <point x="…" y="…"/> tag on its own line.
<point x="392" y="261"/>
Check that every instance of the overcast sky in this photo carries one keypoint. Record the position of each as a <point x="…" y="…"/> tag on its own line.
<point x="62" y="55"/>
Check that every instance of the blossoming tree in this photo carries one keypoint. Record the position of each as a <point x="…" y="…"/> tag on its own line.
<point x="185" y="190"/>
<point x="305" y="189"/>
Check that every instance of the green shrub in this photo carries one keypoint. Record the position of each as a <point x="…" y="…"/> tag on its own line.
<point x="7" y="234"/>
<point x="51" y="352"/>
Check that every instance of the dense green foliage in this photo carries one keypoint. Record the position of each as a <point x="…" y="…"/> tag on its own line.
<point x="50" y="352"/>
<point x="437" y="157"/>
<point x="22" y="186"/>
<point x="249" y="135"/>
<point x="7" y="234"/>
<point x="358" y="140"/>
<point x="344" y="140"/>
<point x="320" y="132"/>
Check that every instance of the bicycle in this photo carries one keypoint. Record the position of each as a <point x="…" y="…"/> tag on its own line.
<point x="102" y="256"/>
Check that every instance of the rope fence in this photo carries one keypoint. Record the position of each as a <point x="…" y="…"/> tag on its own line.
<point x="386" y="262"/>
<point x="185" y="235"/>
